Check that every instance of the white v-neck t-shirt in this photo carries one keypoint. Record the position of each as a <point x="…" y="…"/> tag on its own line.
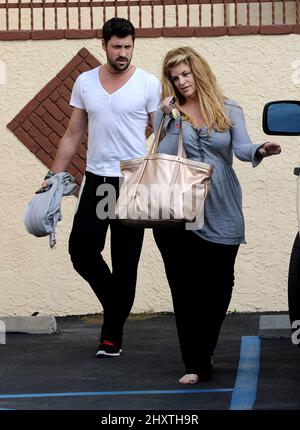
<point x="117" y="121"/>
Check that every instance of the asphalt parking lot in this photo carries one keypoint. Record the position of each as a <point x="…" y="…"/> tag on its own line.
<point x="60" y="371"/>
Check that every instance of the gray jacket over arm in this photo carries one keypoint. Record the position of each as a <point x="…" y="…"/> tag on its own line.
<point x="44" y="210"/>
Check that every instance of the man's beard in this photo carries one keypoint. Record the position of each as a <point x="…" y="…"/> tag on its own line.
<point x="117" y="67"/>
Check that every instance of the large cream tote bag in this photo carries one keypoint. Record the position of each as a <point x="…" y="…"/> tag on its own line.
<point x="163" y="190"/>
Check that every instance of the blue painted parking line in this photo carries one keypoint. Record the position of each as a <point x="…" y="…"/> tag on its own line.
<point x="113" y="393"/>
<point x="244" y="392"/>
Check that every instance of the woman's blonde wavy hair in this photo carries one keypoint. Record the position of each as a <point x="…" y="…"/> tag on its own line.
<point x="210" y="96"/>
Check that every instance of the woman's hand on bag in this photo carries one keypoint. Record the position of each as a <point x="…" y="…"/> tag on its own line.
<point x="167" y="105"/>
<point x="269" y="148"/>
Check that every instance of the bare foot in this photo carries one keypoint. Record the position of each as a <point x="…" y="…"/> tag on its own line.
<point x="189" y="378"/>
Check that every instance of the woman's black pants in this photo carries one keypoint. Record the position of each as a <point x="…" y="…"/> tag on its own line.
<point x="114" y="288"/>
<point x="201" y="278"/>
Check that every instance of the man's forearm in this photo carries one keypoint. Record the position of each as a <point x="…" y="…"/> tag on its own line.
<point x="66" y="151"/>
<point x="149" y="130"/>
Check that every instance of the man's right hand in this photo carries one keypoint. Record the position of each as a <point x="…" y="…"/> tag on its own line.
<point x="44" y="185"/>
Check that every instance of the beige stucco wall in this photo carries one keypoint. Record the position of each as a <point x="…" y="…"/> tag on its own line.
<point x="252" y="70"/>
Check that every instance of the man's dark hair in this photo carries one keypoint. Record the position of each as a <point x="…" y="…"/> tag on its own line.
<point x="119" y="27"/>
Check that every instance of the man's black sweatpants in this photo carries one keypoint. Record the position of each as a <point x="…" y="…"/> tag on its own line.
<point x="114" y="288"/>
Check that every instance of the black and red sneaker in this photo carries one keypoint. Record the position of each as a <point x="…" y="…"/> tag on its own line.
<point x="108" y="349"/>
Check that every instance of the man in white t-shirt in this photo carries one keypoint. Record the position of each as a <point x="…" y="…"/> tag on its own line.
<point x="115" y="101"/>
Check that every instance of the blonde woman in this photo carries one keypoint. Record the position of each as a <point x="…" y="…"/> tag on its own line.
<point x="199" y="263"/>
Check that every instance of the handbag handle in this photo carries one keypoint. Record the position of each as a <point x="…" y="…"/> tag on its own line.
<point x="153" y="149"/>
